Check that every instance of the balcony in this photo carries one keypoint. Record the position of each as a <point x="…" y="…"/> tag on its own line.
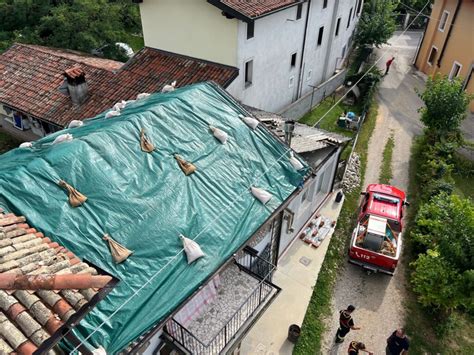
<point x="223" y="310"/>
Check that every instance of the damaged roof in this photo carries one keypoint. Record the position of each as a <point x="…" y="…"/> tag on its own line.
<point x="305" y="138"/>
<point x="144" y="201"/>
<point x="31" y="77"/>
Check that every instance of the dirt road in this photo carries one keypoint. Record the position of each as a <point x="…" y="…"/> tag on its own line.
<point x="379" y="298"/>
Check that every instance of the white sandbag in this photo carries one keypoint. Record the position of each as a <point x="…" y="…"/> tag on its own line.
<point x="295" y="162"/>
<point x="26" y="145"/>
<point x="75" y="123"/>
<point x="219" y="134"/>
<point x="191" y="248"/>
<point x="142" y="96"/>
<point x="112" y="113"/>
<point x="169" y="88"/>
<point x="130" y="101"/>
<point x="99" y="351"/>
<point x="261" y="195"/>
<point x="67" y="137"/>
<point x="250" y="121"/>
<point x="120" y="105"/>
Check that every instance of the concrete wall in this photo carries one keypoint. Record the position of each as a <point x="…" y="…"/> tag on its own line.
<point x="460" y="46"/>
<point x="299" y="108"/>
<point x="190" y="27"/>
<point x="308" y="201"/>
<point x="276" y="38"/>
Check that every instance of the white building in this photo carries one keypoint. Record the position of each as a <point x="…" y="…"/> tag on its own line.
<point x="282" y="48"/>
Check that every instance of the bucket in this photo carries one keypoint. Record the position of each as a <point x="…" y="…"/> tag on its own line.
<point x="339" y="196"/>
<point x="294" y="332"/>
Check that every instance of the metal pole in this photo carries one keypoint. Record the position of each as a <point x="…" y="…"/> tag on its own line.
<point x="312" y="96"/>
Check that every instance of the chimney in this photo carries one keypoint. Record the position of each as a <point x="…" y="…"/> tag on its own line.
<point x="76" y="84"/>
<point x="289" y="127"/>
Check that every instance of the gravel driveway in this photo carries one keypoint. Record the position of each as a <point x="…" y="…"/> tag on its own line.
<point x="379" y="298"/>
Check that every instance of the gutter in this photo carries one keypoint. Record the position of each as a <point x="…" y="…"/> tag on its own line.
<point x="301" y="72"/>
<point x="458" y="6"/>
<point x="238" y="15"/>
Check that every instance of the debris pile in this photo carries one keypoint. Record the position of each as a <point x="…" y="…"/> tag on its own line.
<point x="351" y="178"/>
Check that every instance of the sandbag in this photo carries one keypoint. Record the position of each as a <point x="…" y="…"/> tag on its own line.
<point x="26" y="145"/>
<point x="118" y="251"/>
<point x="187" y="167"/>
<point x="250" y="121"/>
<point x="169" y="88"/>
<point x="192" y="249"/>
<point x="112" y="113"/>
<point x="219" y="134"/>
<point x="145" y="143"/>
<point x="66" y="137"/>
<point x="120" y="105"/>
<point x="75" y="123"/>
<point x="75" y="197"/>
<point x="142" y="96"/>
<point x="295" y="162"/>
<point x="261" y="195"/>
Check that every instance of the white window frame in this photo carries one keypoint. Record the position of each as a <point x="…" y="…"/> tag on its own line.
<point x="455" y="63"/>
<point x="291" y="82"/>
<point x="445" y="22"/>
<point x="429" y="55"/>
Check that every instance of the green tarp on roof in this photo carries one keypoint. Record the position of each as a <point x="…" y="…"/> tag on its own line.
<point x="144" y="201"/>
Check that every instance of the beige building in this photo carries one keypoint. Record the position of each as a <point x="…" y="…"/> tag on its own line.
<point x="448" y="42"/>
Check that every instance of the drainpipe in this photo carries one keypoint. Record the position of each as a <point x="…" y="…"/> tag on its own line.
<point x="331" y="39"/>
<point x="301" y="72"/>
<point x="458" y="6"/>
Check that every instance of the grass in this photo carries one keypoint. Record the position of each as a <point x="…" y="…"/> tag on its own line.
<point x="423" y="325"/>
<point x="7" y="142"/>
<point x="329" y="123"/>
<point x="386" y="168"/>
<point x="320" y="304"/>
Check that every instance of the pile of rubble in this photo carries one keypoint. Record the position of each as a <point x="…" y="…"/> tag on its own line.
<point x="351" y="178"/>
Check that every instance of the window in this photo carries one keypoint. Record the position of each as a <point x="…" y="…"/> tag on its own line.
<point x="320" y="35"/>
<point x="299" y="11"/>
<point x="325" y="4"/>
<point x="432" y="56"/>
<point x="349" y="18"/>
<point x="337" y="26"/>
<point x="293" y="60"/>
<point x="250" y="29"/>
<point x="248" y="73"/>
<point x="442" y="22"/>
<point x="455" y="70"/>
<point x="359" y="7"/>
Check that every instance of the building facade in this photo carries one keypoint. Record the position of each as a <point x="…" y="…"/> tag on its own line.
<point x="448" y="46"/>
<point x="282" y="48"/>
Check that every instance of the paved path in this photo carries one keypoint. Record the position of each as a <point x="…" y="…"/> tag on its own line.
<point x="379" y="298"/>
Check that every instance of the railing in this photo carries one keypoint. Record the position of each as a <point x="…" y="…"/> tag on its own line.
<point x="250" y="307"/>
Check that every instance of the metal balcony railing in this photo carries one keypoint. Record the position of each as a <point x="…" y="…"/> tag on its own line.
<point x="250" y="308"/>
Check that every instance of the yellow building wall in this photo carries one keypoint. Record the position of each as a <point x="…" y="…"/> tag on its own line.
<point x="193" y="27"/>
<point x="459" y="48"/>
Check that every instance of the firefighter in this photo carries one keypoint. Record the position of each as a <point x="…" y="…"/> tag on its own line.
<point x="346" y="323"/>
<point x="355" y="347"/>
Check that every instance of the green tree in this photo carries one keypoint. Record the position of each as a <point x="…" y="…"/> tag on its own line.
<point x="438" y="284"/>
<point x="445" y="106"/>
<point x="376" y="24"/>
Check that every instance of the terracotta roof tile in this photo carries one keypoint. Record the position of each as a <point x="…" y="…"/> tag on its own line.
<point x="256" y="8"/>
<point x="28" y="318"/>
<point x="32" y="75"/>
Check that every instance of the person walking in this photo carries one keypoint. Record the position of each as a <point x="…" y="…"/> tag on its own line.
<point x="397" y="343"/>
<point x="388" y="64"/>
<point x="356" y="346"/>
<point x="346" y="323"/>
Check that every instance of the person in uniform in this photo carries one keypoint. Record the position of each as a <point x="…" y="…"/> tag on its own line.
<point x="356" y="346"/>
<point x="346" y="323"/>
<point x="397" y="343"/>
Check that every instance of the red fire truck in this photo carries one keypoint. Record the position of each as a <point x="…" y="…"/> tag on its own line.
<point x="376" y="242"/>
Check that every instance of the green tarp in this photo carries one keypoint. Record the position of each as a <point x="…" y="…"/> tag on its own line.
<point x="144" y="201"/>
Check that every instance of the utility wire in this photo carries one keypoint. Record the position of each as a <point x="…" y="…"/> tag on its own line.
<point x="231" y="204"/>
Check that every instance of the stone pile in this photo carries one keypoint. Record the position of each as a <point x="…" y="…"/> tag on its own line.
<point x="351" y="178"/>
